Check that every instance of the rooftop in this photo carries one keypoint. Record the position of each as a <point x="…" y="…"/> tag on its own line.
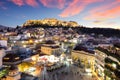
<point x="10" y="57"/>
<point x="52" y="46"/>
<point x="117" y="45"/>
<point x="49" y="42"/>
<point x="81" y="48"/>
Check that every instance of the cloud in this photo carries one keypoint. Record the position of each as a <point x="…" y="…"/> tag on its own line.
<point x="104" y="12"/>
<point x="105" y="15"/>
<point x="47" y="3"/>
<point x="2" y="5"/>
<point x="18" y="2"/>
<point x="104" y="7"/>
<point x="32" y="3"/>
<point x="97" y="22"/>
<point x="54" y="3"/>
<point x="77" y="6"/>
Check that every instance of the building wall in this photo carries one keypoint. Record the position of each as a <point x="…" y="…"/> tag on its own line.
<point x="49" y="50"/>
<point x="2" y="54"/>
<point x="46" y="50"/>
<point x="0" y="59"/>
<point x="100" y="63"/>
<point x="100" y="56"/>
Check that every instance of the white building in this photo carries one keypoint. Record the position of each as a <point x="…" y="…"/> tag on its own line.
<point x="2" y="53"/>
<point x="3" y="42"/>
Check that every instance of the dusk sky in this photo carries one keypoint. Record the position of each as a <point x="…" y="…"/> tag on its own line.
<point x="90" y="13"/>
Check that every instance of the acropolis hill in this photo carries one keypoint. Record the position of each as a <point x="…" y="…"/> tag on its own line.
<point x="50" y="22"/>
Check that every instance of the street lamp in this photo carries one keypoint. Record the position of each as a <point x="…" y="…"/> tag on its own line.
<point x="114" y="65"/>
<point x="36" y="41"/>
<point x="24" y="46"/>
<point x="23" y="42"/>
<point x="30" y="41"/>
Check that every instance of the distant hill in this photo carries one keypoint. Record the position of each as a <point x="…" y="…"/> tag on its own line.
<point x="2" y="27"/>
<point x="108" y="32"/>
<point x="5" y="28"/>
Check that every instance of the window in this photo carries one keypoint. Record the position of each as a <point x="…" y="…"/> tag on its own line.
<point x="6" y="58"/>
<point x="17" y="58"/>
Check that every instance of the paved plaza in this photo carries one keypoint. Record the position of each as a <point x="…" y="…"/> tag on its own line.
<point x="67" y="73"/>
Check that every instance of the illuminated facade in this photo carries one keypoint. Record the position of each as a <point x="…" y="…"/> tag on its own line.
<point x="100" y="63"/>
<point x="49" y="50"/>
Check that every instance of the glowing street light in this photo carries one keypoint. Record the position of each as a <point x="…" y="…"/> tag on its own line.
<point x="30" y="41"/>
<point x="14" y="41"/>
<point x="36" y="41"/>
<point x="114" y="65"/>
<point x="23" y="42"/>
<point x="24" y="46"/>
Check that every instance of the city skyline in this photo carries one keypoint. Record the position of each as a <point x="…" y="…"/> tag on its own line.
<point x="89" y="13"/>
